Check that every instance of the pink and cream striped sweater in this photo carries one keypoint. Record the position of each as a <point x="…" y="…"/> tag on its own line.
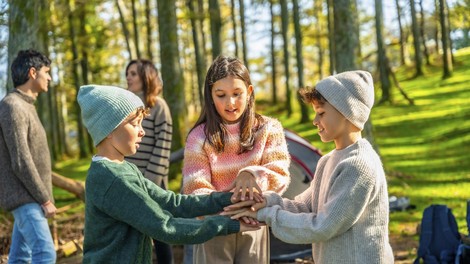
<point x="205" y="170"/>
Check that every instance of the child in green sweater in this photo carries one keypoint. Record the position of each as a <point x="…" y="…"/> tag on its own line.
<point x="123" y="210"/>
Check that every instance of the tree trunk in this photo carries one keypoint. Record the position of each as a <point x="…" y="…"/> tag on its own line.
<point x="382" y="54"/>
<point x="216" y="27"/>
<point x="421" y="31"/>
<point x="125" y="31"/>
<point x="25" y="22"/>
<point x="437" y="21"/>
<point x="82" y="134"/>
<point x="148" y="20"/>
<point x="172" y="75"/>
<point x="346" y="48"/>
<point x="331" y="35"/>
<point x="273" y="55"/>
<point x="300" y="64"/>
<point x="200" y="65"/>
<point x="416" y="40"/>
<point x="446" y="57"/>
<point x="402" y="36"/>
<point x="136" y="29"/>
<point x="234" y="24"/>
<point x="345" y="25"/>
<point x="318" y="7"/>
<point x="285" y="42"/>
<point x="243" y="35"/>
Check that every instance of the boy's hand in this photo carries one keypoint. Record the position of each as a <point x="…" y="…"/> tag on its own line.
<point x="244" y="186"/>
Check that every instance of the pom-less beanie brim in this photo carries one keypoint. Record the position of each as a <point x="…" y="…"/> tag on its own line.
<point x="351" y="93"/>
<point x="104" y="108"/>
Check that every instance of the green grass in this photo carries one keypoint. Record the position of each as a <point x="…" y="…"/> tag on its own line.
<point x="425" y="148"/>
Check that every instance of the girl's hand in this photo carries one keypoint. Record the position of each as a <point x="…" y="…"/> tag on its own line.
<point x="254" y="206"/>
<point x="244" y="184"/>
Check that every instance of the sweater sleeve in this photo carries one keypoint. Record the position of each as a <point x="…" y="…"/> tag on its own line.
<point x="128" y="202"/>
<point x="15" y="131"/>
<point x="347" y="199"/>
<point x="159" y="162"/>
<point x="196" y="169"/>
<point x="272" y="173"/>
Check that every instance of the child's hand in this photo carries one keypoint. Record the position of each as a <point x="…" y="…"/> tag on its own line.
<point x="250" y="227"/>
<point x="245" y="182"/>
<point x="254" y="206"/>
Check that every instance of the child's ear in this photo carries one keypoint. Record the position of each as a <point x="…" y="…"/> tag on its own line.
<point x="250" y="90"/>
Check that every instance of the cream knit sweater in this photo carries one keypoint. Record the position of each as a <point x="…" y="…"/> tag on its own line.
<point x="344" y="212"/>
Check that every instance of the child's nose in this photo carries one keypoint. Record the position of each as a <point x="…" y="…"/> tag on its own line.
<point x="141" y="132"/>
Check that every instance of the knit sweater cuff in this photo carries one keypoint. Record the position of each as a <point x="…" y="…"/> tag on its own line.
<point x="233" y="227"/>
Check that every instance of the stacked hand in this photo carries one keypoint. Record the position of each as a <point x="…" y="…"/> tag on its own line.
<point x="247" y="198"/>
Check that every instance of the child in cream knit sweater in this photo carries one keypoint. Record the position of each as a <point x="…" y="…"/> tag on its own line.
<point x="344" y="212"/>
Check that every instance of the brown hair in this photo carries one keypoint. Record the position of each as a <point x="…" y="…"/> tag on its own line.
<point x="215" y="129"/>
<point x="310" y="95"/>
<point x="152" y="85"/>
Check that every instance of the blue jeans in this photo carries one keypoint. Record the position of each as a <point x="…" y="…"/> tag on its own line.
<point x="31" y="240"/>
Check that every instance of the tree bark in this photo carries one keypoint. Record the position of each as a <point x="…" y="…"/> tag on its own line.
<point x="216" y="27"/>
<point x="382" y="54"/>
<point x="136" y="29"/>
<point x="172" y="75"/>
<point x="234" y="26"/>
<point x="284" y="33"/>
<point x="421" y="31"/>
<point x="200" y="65"/>
<point x="345" y="25"/>
<point x="300" y="64"/>
<point x="402" y="36"/>
<point x="273" y="55"/>
<point x="148" y="19"/>
<point x="331" y="35"/>
<point x="125" y="30"/>
<point x="243" y="35"/>
<point x="446" y="57"/>
<point x="82" y="134"/>
<point x="416" y="40"/>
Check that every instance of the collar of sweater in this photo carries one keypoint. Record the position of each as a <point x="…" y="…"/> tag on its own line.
<point x="24" y="96"/>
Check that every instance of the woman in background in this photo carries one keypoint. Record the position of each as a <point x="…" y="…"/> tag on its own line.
<point x="152" y="157"/>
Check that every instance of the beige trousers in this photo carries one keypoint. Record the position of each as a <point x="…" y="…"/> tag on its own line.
<point x="240" y="248"/>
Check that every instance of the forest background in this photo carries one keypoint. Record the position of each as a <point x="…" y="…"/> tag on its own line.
<point x="286" y="44"/>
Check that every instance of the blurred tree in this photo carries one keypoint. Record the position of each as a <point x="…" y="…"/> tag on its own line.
<point x="273" y="55"/>
<point x="285" y="46"/>
<point x="243" y="33"/>
<point x="416" y="40"/>
<point x="300" y="62"/>
<point x="446" y="55"/>
<point x="172" y="75"/>
<point x="216" y="28"/>
<point x="421" y="32"/>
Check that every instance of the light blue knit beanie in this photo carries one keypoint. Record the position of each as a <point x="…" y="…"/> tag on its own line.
<point x="104" y="108"/>
<point x="351" y="93"/>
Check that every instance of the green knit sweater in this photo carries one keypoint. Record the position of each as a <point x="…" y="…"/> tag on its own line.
<point x="124" y="211"/>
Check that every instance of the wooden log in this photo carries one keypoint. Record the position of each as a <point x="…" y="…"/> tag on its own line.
<point x="70" y="185"/>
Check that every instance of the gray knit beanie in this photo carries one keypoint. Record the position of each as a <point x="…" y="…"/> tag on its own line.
<point x="104" y="108"/>
<point x="351" y="93"/>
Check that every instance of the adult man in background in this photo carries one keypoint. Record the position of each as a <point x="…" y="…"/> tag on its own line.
<point x="25" y="174"/>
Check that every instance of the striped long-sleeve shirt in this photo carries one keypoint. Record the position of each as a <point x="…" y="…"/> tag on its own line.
<point x="152" y="157"/>
<point x="205" y="170"/>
